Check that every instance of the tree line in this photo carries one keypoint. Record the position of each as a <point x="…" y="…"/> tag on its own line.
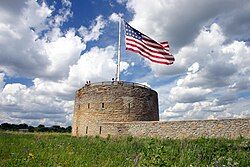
<point x="39" y="128"/>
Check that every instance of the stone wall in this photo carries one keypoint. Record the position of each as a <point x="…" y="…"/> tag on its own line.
<point x="227" y="128"/>
<point x="121" y="108"/>
<point x="113" y="102"/>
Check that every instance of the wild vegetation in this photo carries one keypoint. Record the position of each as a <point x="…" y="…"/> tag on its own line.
<point x="57" y="149"/>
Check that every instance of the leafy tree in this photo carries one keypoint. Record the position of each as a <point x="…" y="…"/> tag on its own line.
<point x="23" y="126"/>
<point x="39" y="128"/>
<point x="69" y="129"/>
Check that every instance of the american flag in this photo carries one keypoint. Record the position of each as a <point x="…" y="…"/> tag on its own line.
<point x="147" y="47"/>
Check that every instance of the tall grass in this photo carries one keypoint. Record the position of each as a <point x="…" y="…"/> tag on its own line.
<point x="46" y="149"/>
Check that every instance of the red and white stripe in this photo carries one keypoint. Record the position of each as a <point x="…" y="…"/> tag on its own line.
<point x="150" y="49"/>
<point x="165" y="45"/>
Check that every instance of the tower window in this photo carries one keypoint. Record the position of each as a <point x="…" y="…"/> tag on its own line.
<point x="100" y="131"/>
<point x="87" y="129"/>
<point x="88" y="105"/>
<point x="102" y="105"/>
<point x="129" y="107"/>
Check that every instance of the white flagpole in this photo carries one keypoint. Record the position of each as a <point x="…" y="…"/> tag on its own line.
<point x="119" y="52"/>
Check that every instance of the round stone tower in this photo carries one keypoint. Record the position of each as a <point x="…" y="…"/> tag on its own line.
<point x="112" y="102"/>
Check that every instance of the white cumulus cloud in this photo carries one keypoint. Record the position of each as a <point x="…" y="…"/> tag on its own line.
<point x="94" y="31"/>
<point x="35" y="46"/>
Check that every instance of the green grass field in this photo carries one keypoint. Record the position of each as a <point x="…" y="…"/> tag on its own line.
<point x="51" y="149"/>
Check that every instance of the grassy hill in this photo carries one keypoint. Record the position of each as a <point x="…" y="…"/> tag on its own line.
<point x="54" y="149"/>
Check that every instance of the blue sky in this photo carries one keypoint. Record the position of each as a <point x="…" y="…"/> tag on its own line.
<point x="48" y="49"/>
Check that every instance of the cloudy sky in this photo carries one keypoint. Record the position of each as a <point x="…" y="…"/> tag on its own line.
<point x="48" y="49"/>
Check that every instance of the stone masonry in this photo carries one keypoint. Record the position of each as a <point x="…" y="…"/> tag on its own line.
<point x="113" y="102"/>
<point x="122" y="108"/>
<point x="226" y="128"/>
